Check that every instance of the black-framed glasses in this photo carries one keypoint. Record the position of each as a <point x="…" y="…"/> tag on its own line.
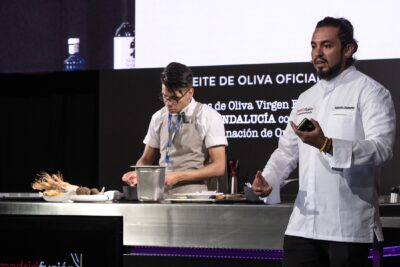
<point x="173" y="98"/>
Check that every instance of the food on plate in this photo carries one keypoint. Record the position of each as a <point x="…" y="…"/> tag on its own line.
<point x="45" y="181"/>
<point x="54" y="185"/>
<point x="52" y="193"/>
<point x="234" y="196"/>
<point x="229" y="196"/>
<point x="94" y="191"/>
<point x="57" y="195"/>
<point x="222" y="196"/>
<point x="83" y="190"/>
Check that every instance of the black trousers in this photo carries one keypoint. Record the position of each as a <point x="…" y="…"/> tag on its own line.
<point x="305" y="252"/>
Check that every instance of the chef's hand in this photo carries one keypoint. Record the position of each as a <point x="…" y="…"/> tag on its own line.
<point x="172" y="178"/>
<point x="130" y="178"/>
<point x="260" y="186"/>
<point x="315" y="138"/>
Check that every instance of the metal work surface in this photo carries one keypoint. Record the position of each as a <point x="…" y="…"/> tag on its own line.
<point x="245" y="226"/>
<point x="390" y="222"/>
<point x="180" y="225"/>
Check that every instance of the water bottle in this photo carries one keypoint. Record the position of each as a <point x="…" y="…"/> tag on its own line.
<point x="74" y="60"/>
<point x="124" y="41"/>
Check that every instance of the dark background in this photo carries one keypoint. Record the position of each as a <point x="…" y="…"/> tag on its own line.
<point x="129" y="98"/>
<point x="49" y="122"/>
<point x="49" y="119"/>
<point x="34" y="33"/>
<point x="90" y="125"/>
<point x="51" y="239"/>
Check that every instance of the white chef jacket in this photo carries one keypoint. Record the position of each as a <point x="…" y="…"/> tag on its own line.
<point x="210" y="122"/>
<point x="338" y="195"/>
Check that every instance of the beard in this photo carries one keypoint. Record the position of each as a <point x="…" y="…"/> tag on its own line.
<point x="331" y="72"/>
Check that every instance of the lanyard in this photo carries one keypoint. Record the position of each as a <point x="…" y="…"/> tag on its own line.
<point x="173" y="126"/>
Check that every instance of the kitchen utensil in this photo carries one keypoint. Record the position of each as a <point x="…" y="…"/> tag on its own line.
<point x="150" y="182"/>
<point x="130" y="192"/>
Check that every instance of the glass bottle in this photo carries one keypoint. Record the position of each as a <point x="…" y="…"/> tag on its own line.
<point x="233" y="164"/>
<point x="74" y="61"/>
<point x="124" y="40"/>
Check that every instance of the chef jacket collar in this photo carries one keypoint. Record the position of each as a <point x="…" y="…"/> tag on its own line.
<point x="328" y="86"/>
<point x="188" y="110"/>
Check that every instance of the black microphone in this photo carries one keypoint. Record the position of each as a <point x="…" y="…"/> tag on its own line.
<point x="183" y="117"/>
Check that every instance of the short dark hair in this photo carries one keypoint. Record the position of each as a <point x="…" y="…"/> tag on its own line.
<point x="177" y="76"/>
<point x="345" y="34"/>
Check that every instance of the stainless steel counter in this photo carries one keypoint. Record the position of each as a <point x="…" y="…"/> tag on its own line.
<point x="180" y="225"/>
<point x="246" y="226"/>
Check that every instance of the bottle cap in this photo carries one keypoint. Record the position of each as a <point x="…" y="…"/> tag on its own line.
<point x="73" y="41"/>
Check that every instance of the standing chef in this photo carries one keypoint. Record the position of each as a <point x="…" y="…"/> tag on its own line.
<point x="336" y="214"/>
<point x="188" y="136"/>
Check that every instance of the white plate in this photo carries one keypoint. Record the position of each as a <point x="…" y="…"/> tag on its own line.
<point x="197" y="195"/>
<point x="191" y="200"/>
<point x="148" y="166"/>
<point x="89" y="198"/>
<point x="60" y="198"/>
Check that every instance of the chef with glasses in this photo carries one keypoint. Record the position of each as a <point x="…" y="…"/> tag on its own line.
<point x="188" y="136"/>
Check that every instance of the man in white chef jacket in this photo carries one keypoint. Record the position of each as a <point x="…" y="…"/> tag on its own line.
<point x="335" y="217"/>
